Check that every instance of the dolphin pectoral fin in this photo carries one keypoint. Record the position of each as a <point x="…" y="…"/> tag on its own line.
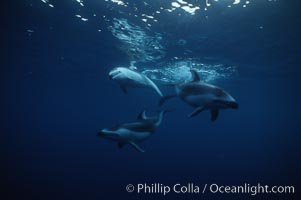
<point x="124" y="89"/>
<point x="214" y="114"/>
<point x="154" y="86"/>
<point x="120" y="145"/>
<point x="157" y="90"/>
<point x="136" y="147"/>
<point x="196" y="111"/>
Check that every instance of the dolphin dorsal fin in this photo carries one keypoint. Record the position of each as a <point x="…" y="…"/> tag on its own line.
<point x="142" y="115"/>
<point x="195" y="76"/>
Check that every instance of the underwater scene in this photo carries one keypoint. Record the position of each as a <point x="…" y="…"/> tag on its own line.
<point x="150" y="99"/>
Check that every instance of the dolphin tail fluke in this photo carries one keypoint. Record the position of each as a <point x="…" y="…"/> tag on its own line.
<point x="196" y="111"/>
<point x="165" y="98"/>
<point x="214" y="114"/>
<point x="136" y="147"/>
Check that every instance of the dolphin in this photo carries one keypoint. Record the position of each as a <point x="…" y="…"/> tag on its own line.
<point x="127" y="78"/>
<point x="135" y="132"/>
<point x="202" y="96"/>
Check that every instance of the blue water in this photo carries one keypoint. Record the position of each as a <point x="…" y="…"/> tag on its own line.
<point x="56" y="95"/>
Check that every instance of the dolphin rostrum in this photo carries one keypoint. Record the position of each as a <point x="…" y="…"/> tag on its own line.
<point x="203" y="96"/>
<point x="127" y="78"/>
<point x="135" y="132"/>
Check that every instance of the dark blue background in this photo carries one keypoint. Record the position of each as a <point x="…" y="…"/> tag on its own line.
<point x="56" y="95"/>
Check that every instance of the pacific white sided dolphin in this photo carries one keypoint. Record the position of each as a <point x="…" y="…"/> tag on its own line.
<point x="127" y="78"/>
<point x="203" y="96"/>
<point x="135" y="132"/>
